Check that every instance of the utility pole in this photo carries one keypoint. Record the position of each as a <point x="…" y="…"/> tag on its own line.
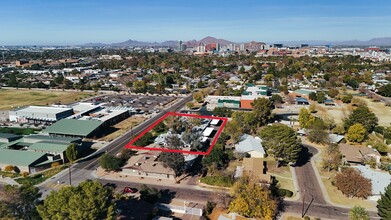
<point x="302" y="209"/>
<point x="70" y="176"/>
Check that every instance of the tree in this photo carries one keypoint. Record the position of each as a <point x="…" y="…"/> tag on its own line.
<point x="317" y="132"/>
<point x="222" y="112"/>
<point x="333" y="92"/>
<point x="88" y="200"/>
<point x="175" y="161"/>
<point x="313" y="96"/>
<point x="320" y="97"/>
<point x="384" y="204"/>
<point x="352" y="184"/>
<point x="216" y="156"/>
<point x="71" y="152"/>
<point x="19" y="202"/>
<point x="356" y="133"/>
<point x="305" y="118"/>
<point x="347" y="98"/>
<point x="151" y="195"/>
<point x="277" y="99"/>
<point x="262" y="110"/>
<point x="282" y="141"/>
<point x="358" y="213"/>
<point x="144" y="140"/>
<point x="198" y="96"/>
<point x="364" y="116"/>
<point x="190" y="105"/>
<point x="109" y="162"/>
<point x="385" y="90"/>
<point x="252" y="200"/>
<point x="126" y="153"/>
<point x="333" y="159"/>
<point x="233" y="128"/>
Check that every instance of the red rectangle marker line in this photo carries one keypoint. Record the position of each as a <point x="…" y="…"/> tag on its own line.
<point x="131" y="146"/>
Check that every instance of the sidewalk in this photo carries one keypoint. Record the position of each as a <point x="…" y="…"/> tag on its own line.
<point x="9" y="181"/>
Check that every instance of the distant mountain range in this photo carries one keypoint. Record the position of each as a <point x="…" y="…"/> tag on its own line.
<point x="384" y="41"/>
<point x="171" y="43"/>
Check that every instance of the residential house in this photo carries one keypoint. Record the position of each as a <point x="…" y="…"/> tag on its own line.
<point x="358" y="154"/>
<point x="251" y="145"/>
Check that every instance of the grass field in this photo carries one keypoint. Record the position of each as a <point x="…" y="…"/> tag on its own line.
<point x="12" y="98"/>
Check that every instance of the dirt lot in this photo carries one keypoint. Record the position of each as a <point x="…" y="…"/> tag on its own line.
<point x="12" y="98"/>
<point x="123" y="127"/>
<point x="337" y="113"/>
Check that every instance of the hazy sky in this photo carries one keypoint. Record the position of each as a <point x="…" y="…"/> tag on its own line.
<point x="107" y="21"/>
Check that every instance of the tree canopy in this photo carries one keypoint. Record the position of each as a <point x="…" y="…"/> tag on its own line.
<point x="175" y="161"/>
<point x="109" y="162"/>
<point x="305" y="118"/>
<point x="356" y="133"/>
<point x="385" y="90"/>
<point x="252" y="200"/>
<point x="71" y="152"/>
<point x="384" y="204"/>
<point x="88" y="200"/>
<point x="262" y="110"/>
<point x="282" y="141"/>
<point x="353" y="184"/>
<point x="364" y="116"/>
<point x="358" y="213"/>
<point x="19" y="202"/>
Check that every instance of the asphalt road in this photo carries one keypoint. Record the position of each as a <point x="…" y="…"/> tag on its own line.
<point x="307" y="182"/>
<point x="83" y="169"/>
<point x="199" y="195"/>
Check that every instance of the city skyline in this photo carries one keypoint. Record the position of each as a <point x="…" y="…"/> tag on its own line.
<point x="73" y="22"/>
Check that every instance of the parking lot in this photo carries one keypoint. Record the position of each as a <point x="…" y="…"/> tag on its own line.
<point x="142" y="102"/>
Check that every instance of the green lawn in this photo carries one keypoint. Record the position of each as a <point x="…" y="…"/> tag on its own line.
<point x="19" y="131"/>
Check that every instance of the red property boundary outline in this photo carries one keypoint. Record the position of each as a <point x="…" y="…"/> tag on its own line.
<point x="217" y="135"/>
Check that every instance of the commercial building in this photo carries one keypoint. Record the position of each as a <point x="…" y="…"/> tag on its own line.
<point x="74" y="128"/>
<point x="34" y="153"/>
<point x="228" y="103"/>
<point x="39" y="114"/>
<point x="7" y="138"/>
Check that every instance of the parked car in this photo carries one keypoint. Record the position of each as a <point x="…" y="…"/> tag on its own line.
<point x="130" y="190"/>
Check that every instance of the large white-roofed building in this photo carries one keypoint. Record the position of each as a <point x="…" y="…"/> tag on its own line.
<point x="39" y="114"/>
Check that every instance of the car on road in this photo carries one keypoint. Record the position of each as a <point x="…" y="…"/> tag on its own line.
<point x="128" y="189"/>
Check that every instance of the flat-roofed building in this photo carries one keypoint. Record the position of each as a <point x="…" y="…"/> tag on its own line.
<point x="208" y="132"/>
<point x="39" y="114"/>
<point x="74" y="128"/>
